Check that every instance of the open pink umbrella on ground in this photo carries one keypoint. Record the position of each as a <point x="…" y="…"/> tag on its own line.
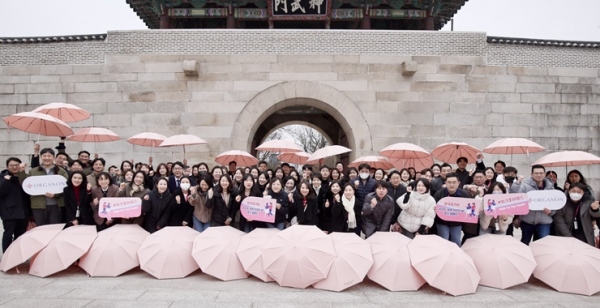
<point x="114" y="251"/>
<point x="513" y="146"/>
<point x="417" y="163"/>
<point x="63" y="250"/>
<point x="404" y="150"/>
<point x="167" y="253"/>
<point x="327" y="151"/>
<point x="214" y="251"/>
<point x="279" y="146"/>
<point x="93" y="134"/>
<point x="502" y="261"/>
<point x="64" y="112"/>
<point x="392" y="268"/>
<point x="567" y="264"/>
<point x="182" y="140"/>
<point x="443" y="265"/>
<point x="298" y="256"/>
<point x="242" y="158"/>
<point x="298" y="158"/>
<point x="373" y="161"/>
<point x="353" y="261"/>
<point x="28" y="244"/>
<point x="249" y="252"/>
<point x="38" y="123"/>
<point x="450" y="152"/>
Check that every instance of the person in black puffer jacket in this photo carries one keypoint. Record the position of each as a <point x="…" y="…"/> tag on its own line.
<point x="157" y="206"/>
<point x="15" y="208"/>
<point x="222" y="201"/>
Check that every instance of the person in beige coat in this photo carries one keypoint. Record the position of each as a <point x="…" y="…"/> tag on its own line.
<point x="418" y="209"/>
<point x="487" y="223"/>
<point x="202" y="216"/>
<point x="135" y="189"/>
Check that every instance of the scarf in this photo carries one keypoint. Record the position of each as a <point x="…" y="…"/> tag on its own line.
<point x="135" y="188"/>
<point x="349" y="206"/>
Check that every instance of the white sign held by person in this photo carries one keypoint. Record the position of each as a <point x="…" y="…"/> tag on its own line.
<point x="40" y="185"/>
<point x="546" y="199"/>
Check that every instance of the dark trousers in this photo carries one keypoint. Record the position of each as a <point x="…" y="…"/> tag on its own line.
<point x="50" y="215"/>
<point x="13" y="228"/>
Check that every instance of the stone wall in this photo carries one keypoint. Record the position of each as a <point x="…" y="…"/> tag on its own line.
<point x="456" y="95"/>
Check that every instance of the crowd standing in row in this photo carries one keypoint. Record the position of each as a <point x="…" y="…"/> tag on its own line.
<point x="335" y="199"/>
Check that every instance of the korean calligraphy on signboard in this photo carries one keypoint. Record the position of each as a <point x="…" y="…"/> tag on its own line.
<point x="299" y="9"/>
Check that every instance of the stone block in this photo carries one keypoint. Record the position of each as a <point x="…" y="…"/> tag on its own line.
<point x="454" y="118"/>
<point x="379" y="106"/>
<point x="215" y="107"/>
<point x="494" y="119"/>
<point x="531" y="71"/>
<point x="7" y="89"/>
<point x="164" y="67"/>
<point x="169" y="119"/>
<point x="553" y="132"/>
<point x="300" y="67"/>
<point x="438" y="97"/>
<point x="537" y="79"/>
<point x="87" y="69"/>
<point x="209" y="119"/>
<point x="427" y="131"/>
<point x="459" y="132"/>
<point x="41" y="99"/>
<point x="20" y="70"/>
<point x="489" y="70"/>
<point x="434" y="87"/>
<point x="588" y="132"/>
<point x="512" y="108"/>
<point x="570" y="144"/>
<point x="213" y="131"/>
<point x="56" y="70"/>
<point x="166" y="86"/>
<point x="163" y="107"/>
<point x="345" y="59"/>
<point x="109" y="120"/>
<point x="16" y="147"/>
<point x="121" y="59"/>
<point x="253" y="58"/>
<point x="385" y="59"/>
<point x="454" y="69"/>
<point x="38" y="88"/>
<point x="531" y="120"/>
<point x="127" y="107"/>
<point x="408" y="68"/>
<point x="79" y="78"/>
<point x="96" y="87"/>
<point x="147" y="96"/>
<point x="470" y="108"/>
<point x="386" y="86"/>
<point x="491" y="78"/>
<point x="433" y="107"/>
<point x="118" y="77"/>
<point x="45" y="79"/>
<point x="574" y="98"/>
<point x="207" y="96"/>
<point x="573" y="120"/>
<point x="255" y="68"/>
<point x="220" y="68"/>
<point x="588" y="108"/>
<point x="173" y="96"/>
<point x="463" y="60"/>
<point x="389" y="130"/>
<point x="121" y="68"/>
<point x="462" y="97"/>
<point x="356" y="85"/>
<point x="68" y="87"/>
<point x="454" y="78"/>
<point x="238" y="96"/>
<point x="13" y="99"/>
<point x="210" y="85"/>
<point x="574" y="88"/>
<point x="491" y="87"/>
<point x="559" y="109"/>
<point x="503" y="97"/>
<point x="541" y="98"/>
<point x="386" y="96"/>
<point x="535" y="88"/>
<point x="191" y="67"/>
<point x="427" y="59"/>
<point x="302" y="76"/>
<point x="510" y="131"/>
<point x="575" y="72"/>
<point x="429" y="69"/>
<point x="156" y="76"/>
<point x="110" y="97"/>
<point x="15" y="79"/>
<point x="98" y="108"/>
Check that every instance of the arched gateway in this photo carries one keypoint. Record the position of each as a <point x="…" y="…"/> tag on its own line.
<point x="316" y="103"/>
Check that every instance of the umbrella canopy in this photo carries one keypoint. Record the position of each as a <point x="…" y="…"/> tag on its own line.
<point x="450" y="152"/>
<point x="249" y="252"/>
<point x="502" y="261"/>
<point x="63" y="250"/>
<point x="392" y="268"/>
<point x="417" y="163"/>
<point x="567" y="264"/>
<point x="568" y="158"/>
<point x="513" y="146"/>
<point x="404" y="150"/>
<point x="443" y="265"/>
<point x="147" y="139"/>
<point x="214" y="251"/>
<point x="298" y="256"/>
<point x="298" y="158"/>
<point x="28" y="244"/>
<point x="373" y="161"/>
<point x="327" y="151"/>
<point x="93" y="134"/>
<point x="182" y="140"/>
<point x="64" y="112"/>
<point x="242" y="158"/>
<point x="114" y="252"/>
<point x="167" y="253"/>
<point x="279" y="146"/>
<point x="353" y="261"/>
<point x="38" y="123"/>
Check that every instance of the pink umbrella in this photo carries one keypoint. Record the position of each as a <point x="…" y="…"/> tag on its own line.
<point x="249" y="252"/>
<point x="214" y="251"/>
<point x="63" y="250"/>
<point x="327" y="151"/>
<point x="450" y="152"/>
<point x="147" y="139"/>
<point x="182" y="140"/>
<point x="513" y="146"/>
<point x="353" y="261"/>
<point x="373" y="161"/>
<point x="443" y="265"/>
<point x="279" y="146"/>
<point x="93" y="134"/>
<point x="567" y="264"/>
<point x="64" y="112"/>
<point x="28" y="244"/>
<point x="298" y="158"/>
<point x="392" y="267"/>
<point x="502" y="261"/>
<point x="298" y="256"/>
<point x="38" y="123"/>
<point x="242" y="158"/>
<point x="568" y="158"/>
<point x="114" y="252"/>
<point x="167" y="253"/>
<point x="417" y="163"/>
<point x="404" y="151"/>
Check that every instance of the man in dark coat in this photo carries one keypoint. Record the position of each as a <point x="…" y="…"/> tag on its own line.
<point x="364" y="185"/>
<point x="15" y="208"/>
<point x="450" y="230"/>
<point x="378" y="210"/>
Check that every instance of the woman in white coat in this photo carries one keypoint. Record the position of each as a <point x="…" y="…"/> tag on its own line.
<point x="418" y="209"/>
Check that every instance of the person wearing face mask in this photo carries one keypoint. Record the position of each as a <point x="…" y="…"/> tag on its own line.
<point x="364" y="186"/>
<point x="418" y="209"/>
<point x="157" y="206"/>
<point x="487" y="223"/>
<point x="181" y="213"/>
<point x="575" y="218"/>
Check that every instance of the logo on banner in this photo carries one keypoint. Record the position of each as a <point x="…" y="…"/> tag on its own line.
<point x="549" y="199"/>
<point x="458" y="209"/>
<point x="119" y="207"/>
<point x="40" y="185"/>
<point x="511" y="204"/>
<point x="259" y="209"/>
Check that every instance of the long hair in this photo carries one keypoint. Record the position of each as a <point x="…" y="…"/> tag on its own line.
<point x="83" y="184"/>
<point x="311" y="192"/>
<point x="229" y="188"/>
<point x="254" y="190"/>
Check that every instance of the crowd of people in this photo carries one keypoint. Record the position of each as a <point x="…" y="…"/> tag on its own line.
<point x="334" y="198"/>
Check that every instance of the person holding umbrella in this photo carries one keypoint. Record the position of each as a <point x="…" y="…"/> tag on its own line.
<point x="377" y="211"/>
<point x="576" y="217"/>
<point x="14" y="203"/>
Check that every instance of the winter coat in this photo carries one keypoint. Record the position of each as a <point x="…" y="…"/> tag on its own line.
<point x="337" y="215"/>
<point x="487" y="221"/>
<point x="380" y="215"/>
<point x="282" y="198"/>
<point x="536" y="217"/>
<point x="564" y="218"/>
<point x="126" y="193"/>
<point x="86" y="214"/>
<point x="305" y="215"/>
<point x="157" y="210"/>
<point x="396" y="193"/>
<point x="14" y="202"/>
<point x="97" y="194"/>
<point x="39" y="202"/>
<point x="443" y="193"/>
<point x="221" y="210"/>
<point x="418" y="210"/>
<point x="201" y="210"/>
<point x="181" y="212"/>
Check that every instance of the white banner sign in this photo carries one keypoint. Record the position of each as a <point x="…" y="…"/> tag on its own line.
<point x="40" y="185"/>
<point x="549" y="199"/>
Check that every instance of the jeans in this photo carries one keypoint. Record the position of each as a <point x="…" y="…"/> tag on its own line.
<point x="527" y="231"/>
<point x="13" y="228"/>
<point x="248" y="227"/>
<point x="200" y="226"/>
<point x="280" y="225"/>
<point x="450" y="233"/>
